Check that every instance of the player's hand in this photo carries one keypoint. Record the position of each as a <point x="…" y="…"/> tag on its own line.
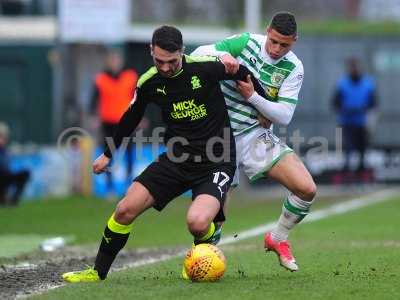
<point x="245" y="88"/>
<point x="100" y="164"/>
<point x="230" y="63"/>
<point x="264" y="122"/>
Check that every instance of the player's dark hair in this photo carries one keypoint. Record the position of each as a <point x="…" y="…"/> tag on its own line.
<point x="167" y="38"/>
<point x="284" y="23"/>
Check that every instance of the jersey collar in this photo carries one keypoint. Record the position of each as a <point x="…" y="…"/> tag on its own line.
<point x="181" y="70"/>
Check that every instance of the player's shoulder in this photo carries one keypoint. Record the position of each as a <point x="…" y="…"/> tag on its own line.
<point x="242" y="36"/>
<point x="256" y="38"/>
<point x="147" y="77"/>
<point x="200" y="59"/>
<point x="292" y="62"/>
<point x="253" y="40"/>
<point x="200" y="64"/>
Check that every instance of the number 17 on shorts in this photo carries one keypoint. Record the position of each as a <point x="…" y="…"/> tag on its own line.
<point x="221" y="179"/>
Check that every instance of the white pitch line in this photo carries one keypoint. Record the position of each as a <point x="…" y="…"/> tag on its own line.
<point x="151" y="260"/>
<point x="336" y="209"/>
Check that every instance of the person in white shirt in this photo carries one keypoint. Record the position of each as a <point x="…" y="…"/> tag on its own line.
<point x="259" y="152"/>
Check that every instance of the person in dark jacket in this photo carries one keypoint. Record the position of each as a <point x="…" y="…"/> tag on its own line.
<point x="11" y="183"/>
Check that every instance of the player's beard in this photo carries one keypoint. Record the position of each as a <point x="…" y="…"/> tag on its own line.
<point x="171" y="72"/>
<point x="167" y="74"/>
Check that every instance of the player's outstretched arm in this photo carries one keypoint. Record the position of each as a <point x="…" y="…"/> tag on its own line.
<point x="100" y="164"/>
<point x="207" y="50"/>
<point x="128" y="123"/>
<point x="217" y="71"/>
<point x="243" y="74"/>
<point x="281" y="111"/>
<point x="230" y="63"/>
<point x="277" y="112"/>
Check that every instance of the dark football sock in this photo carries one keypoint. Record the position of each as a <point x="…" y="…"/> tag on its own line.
<point x="114" y="239"/>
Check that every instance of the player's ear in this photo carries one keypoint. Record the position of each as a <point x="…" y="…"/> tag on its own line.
<point x="183" y="50"/>
<point x="151" y="49"/>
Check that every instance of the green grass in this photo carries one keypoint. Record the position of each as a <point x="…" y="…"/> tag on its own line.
<point x="350" y="256"/>
<point x="13" y="245"/>
<point x="85" y="219"/>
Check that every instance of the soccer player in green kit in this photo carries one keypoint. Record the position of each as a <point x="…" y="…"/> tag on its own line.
<point x="259" y="152"/>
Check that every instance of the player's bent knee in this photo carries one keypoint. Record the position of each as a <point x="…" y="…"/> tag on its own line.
<point x="308" y="191"/>
<point x="198" y="225"/>
<point x="124" y="214"/>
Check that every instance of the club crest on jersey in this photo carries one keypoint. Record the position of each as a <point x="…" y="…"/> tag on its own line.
<point x="277" y="78"/>
<point x="196" y="84"/>
<point x="271" y="91"/>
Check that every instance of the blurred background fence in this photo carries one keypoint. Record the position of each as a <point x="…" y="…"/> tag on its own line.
<point x="50" y="51"/>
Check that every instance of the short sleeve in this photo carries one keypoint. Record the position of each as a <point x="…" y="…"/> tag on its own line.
<point x="290" y="89"/>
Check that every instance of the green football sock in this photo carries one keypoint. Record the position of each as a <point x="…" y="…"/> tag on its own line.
<point x="293" y="211"/>
<point x="205" y="237"/>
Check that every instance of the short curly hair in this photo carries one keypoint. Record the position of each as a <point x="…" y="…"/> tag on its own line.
<point x="168" y="38"/>
<point x="284" y="23"/>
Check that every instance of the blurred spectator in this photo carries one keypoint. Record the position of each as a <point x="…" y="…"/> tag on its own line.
<point x="113" y="91"/>
<point x="11" y="183"/>
<point x="354" y="98"/>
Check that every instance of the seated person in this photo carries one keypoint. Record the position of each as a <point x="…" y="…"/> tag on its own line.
<point x="9" y="179"/>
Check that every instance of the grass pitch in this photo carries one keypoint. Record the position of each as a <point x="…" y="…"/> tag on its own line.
<point x="349" y="256"/>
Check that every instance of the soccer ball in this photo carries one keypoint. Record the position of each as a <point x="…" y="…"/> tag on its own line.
<point x="205" y="262"/>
